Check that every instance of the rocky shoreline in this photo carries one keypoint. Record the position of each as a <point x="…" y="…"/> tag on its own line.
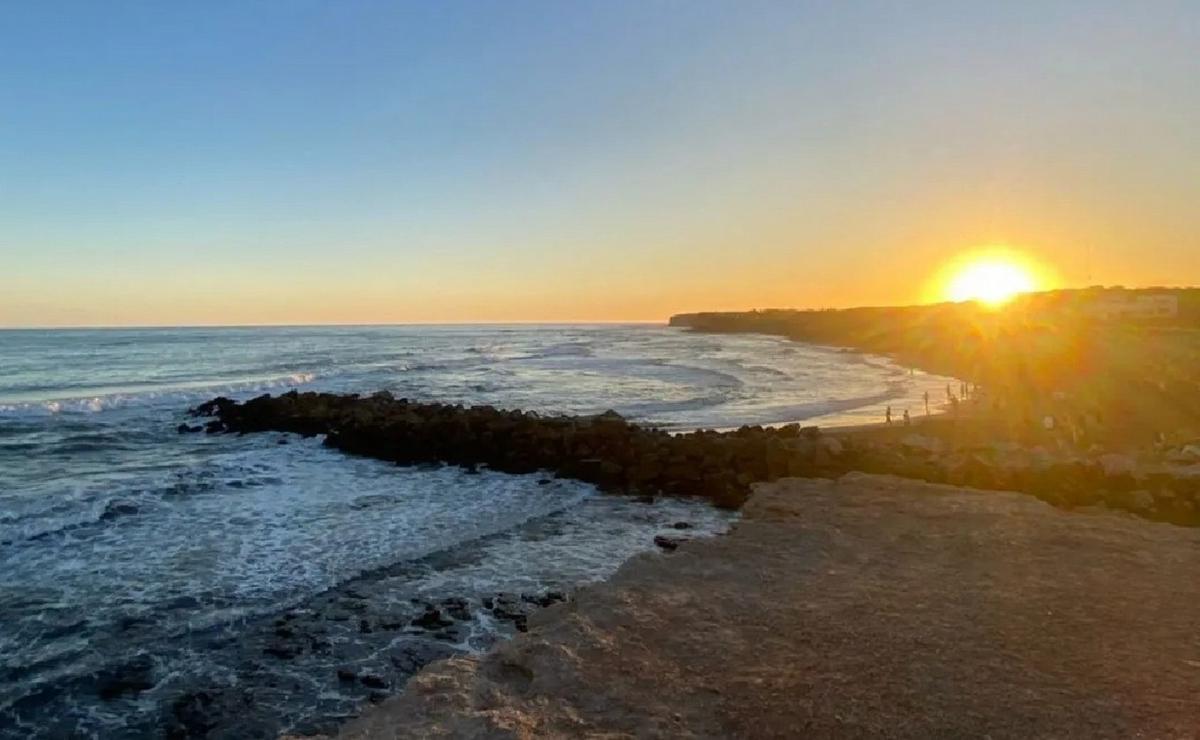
<point x="868" y="606"/>
<point x="622" y="457"/>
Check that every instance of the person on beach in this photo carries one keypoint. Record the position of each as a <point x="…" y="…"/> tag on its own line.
<point x="887" y="415"/>
<point x="907" y="420"/>
<point x="927" y="403"/>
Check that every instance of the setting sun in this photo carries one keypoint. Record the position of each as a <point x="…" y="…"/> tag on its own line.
<point x="993" y="278"/>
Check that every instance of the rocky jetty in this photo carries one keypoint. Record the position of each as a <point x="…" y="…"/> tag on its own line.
<point x="618" y="456"/>
<point x="605" y="450"/>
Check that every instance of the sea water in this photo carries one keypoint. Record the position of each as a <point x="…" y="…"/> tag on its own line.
<point x="124" y="543"/>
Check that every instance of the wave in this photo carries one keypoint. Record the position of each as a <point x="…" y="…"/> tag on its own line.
<point x="777" y="414"/>
<point x="563" y="349"/>
<point x="60" y="519"/>
<point x="91" y="404"/>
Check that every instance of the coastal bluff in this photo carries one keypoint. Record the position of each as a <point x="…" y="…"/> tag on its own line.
<point x="866" y="606"/>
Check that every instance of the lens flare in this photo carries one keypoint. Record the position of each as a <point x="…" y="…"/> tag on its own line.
<point x="993" y="278"/>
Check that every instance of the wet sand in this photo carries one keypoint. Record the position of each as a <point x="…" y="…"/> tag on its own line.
<point x="867" y="607"/>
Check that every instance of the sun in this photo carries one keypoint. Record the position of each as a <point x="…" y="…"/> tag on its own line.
<point x="992" y="280"/>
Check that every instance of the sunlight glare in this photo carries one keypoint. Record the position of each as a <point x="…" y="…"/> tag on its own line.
<point x="992" y="281"/>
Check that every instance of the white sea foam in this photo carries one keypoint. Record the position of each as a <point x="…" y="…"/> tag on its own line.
<point x="108" y="518"/>
<point x="181" y="392"/>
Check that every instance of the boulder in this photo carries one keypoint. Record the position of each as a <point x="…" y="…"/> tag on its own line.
<point x="1117" y="464"/>
<point x="667" y="543"/>
<point x="132" y="677"/>
<point x="932" y="445"/>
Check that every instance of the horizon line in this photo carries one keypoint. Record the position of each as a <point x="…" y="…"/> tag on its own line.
<point x="306" y="325"/>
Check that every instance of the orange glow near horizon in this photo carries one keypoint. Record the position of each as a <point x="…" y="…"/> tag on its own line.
<point x="993" y="278"/>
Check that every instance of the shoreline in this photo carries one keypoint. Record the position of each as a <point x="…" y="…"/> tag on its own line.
<point x="971" y="445"/>
<point x="868" y="629"/>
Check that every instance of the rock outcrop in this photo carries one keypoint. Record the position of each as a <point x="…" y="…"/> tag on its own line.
<point x="869" y="606"/>
<point x="622" y="457"/>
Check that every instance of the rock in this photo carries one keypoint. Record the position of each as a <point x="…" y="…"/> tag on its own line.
<point x="831" y="445"/>
<point x="346" y="675"/>
<point x="931" y="445"/>
<point x="416" y="655"/>
<point x="1185" y="454"/>
<point x="666" y="543"/>
<point x="372" y="681"/>
<point x="431" y="619"/>
<point x="1117" y="464"/>
<point x="133" y="677"/>
<point x="544" y="600"/>
<point x="118" y="508"/>
<point x="188" y="428"/>
<point x="456" y="608"/>
<point x="193" y="716"/>
<point x="1143" y="501"/>
<point x="681" y="525"/>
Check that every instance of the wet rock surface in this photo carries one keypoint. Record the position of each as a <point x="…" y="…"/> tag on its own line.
<point x="339" y="674"/>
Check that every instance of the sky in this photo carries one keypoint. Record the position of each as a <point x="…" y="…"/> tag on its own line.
<point x="241" y="162"/>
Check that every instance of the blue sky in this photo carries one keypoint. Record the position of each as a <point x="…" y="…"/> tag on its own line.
<point x="264" y="162"/>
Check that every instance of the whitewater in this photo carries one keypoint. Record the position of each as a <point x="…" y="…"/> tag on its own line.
<point x="124" y="543"/>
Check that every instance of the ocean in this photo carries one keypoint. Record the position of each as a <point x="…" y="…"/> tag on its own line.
<point x="156" y="584"/>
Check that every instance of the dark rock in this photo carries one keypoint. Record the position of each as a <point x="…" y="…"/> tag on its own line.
<point x="192" y="714"/>
<point x="457" y="608"/>
<point x="681" y="525"/>
<point x="346" y="675"/>
<point x="666" y="543"/>
<point x="375" y="697"/>
<point x="133" y="677"/>
<point x="415" y="655"/>
<point x="431" y="619"/>
<point x="118" y="508"/>
<point x="371" y="681"/>
<point x="543" y="600"/>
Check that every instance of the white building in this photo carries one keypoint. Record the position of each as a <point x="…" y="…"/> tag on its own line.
<point x="1141" y="306"/>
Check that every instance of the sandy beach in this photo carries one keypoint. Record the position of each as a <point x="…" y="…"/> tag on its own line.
<point x="869" y="606"/>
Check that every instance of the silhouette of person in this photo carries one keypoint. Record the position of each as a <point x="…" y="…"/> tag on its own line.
<point x="887" y="415"/>
<point x="907" y="420"/>
<point x="927" y="403"/>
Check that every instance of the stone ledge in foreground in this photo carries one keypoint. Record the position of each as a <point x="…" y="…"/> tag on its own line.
<point x="866" y="606"/>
